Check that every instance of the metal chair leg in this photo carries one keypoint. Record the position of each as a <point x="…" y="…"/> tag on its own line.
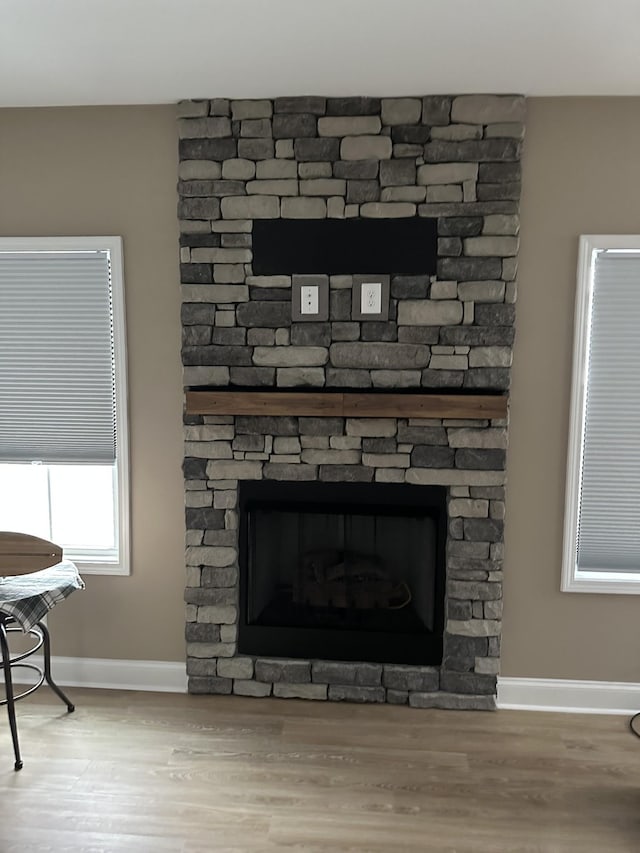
<point x="47" y="669"/>
<point x="8" y="686"/>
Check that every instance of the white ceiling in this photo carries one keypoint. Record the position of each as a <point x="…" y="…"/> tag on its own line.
<point x="62" y="52"/>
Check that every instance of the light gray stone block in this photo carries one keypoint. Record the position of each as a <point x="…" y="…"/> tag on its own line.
<point x="504" y="246"/>
<point x="199" y="170"/>
<point x="250" y="207"/>
<point x="440" y="312"/>
<point x="218" y="614"/>
<point x="352" y="693"/>
<point x="387" y="209"/>
<point x="237" y="667"/>
<point x="304" y="208"/>
<point x="447" y="173"/>
<point x="488" y="109"/>
<point x="276" y="169"/>
<point x="337" y="672"/>
<point x="257" y="689"/>
<point x="209" y="556"/>
<point x="452" y="701"/>
<point x="379" y="355"/>
<point x="234" y="470"/>
<point x="410" y="678"/>
<point x="348" y="125"/>
<point x="290" y="356"/>
<point x="475" y="627"/>
<point x="366" y="148"/>
<point x="300" y="691"/>
<point x="241" y="110"/>
<point x="323" y="187"/>
<point x="401" y="110"/>
<point x="468" y="508"/>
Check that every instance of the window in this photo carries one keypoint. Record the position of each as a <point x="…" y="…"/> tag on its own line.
<point x="63" y="397"/>
<point x="602" y="509"/>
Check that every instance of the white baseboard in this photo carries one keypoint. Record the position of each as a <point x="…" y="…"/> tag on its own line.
<point x="576" y="697"/>
<point x="152" y="675"/>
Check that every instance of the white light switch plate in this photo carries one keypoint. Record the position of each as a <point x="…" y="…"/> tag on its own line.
<point x="371" y="297"/>
<point x="309" y="299"/>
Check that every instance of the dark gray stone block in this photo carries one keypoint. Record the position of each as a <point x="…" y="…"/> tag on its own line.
<point x="340" y="305"/>
<point x="471" y="269"/>
<point x="294" y="126"/>
<point x="293" y="671"/>
<point x="442" y="378"/>
<point x="207" y="149"/>
<point x="267" y="315"/>
<point x="201" y="632"/>
<point x="471" y="150"/>
<point x="201" y="666"/>
<point x="379" y="445"/>
<point x="200" y="240"/>
<point x="449" y="246"/>
<point x="307" y="150"/>
<point x="456" y="530"/>
<point x="397" y="697"/>
<point x="496" y="378"/>
<point x="436" y="109"/>
<point x="196" y="274"/>
<point x="228" y="336"/>
<point x="410" y="134"/>
<point x="462" y="682"/>
<point x="485" y="459"/>
<point x="410" y="678"/>
<point x="311" y="334"/>
<point x="359" y="192"/>
<point x="459" y="610"/>
<point x="199" y="208"/>
<point x="209" y="684"/>
<point x="204" y="517"/>
<point x="353" y="106"/>
<point x="397" y="173"/>
<point x="289" y="471"/>
<point x="194" y="469"/>
<point x="483" y="529"/>
<point x="499" y="192"/>
<point x="432" y="457"/>
<point x="337" y="672"/>
<point x="494" y="173"/>
<point x="193" y="336"/>
<point x="216" y="355"/>
<point x="418" y="334"/>
<point x="347" y="693"/>
<point x="321" y="426"/>
<point x="310" y="104"/>
<point x="219" y="578"/>
<point x="204" y="189"/>
<point x="359" y="170"/>
<point x="410" y="287"/>
<point x="479" y="335"/>
<point x="346" y="474"/>
<point x="253" y="443"/>
<point x="256" y="149"/>
<point x="249" y="377"/>
<point x="379" y="332"/>
<point x="422" y="435"/>
<point x="467" y="647"/>
<point x="266" y="425"/>
<point x="495" y="314"/>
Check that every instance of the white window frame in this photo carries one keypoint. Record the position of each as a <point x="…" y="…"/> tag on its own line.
<point x="113" y="244"/>
<point x="574" y="580"/>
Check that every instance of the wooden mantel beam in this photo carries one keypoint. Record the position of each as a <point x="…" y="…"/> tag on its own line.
<point x="347" y="404"/>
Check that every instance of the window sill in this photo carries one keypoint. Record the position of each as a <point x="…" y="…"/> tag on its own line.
<point x="603" y="582"/>
<point x="97" y="568"/>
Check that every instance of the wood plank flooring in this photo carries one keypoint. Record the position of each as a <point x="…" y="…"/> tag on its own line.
<point x="149" y="773"/>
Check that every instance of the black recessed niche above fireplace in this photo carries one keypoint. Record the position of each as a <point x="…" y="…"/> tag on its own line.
<point x="344" y="246"/>
<point x="342" y="571"/>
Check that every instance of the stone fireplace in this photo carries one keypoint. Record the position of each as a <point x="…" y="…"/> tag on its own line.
<point x="451" y="159"/>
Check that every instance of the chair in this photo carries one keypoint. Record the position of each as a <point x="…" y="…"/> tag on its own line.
<point x="33" y="578"/>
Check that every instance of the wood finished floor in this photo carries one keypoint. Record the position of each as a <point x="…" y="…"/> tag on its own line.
<point x="149" y="773"/>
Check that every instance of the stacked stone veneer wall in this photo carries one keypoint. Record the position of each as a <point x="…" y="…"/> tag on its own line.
<point x="452" y="158"/>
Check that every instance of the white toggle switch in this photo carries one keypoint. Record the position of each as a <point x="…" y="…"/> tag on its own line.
<point x="309" y="299"/>
<point x="371" y="297"/>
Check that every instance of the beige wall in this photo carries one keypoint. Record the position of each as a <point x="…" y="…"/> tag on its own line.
<point x="581" y="176"/>
<point x="111" y="170"/>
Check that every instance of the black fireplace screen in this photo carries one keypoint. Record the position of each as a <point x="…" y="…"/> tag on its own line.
<point x="342" y="571"/>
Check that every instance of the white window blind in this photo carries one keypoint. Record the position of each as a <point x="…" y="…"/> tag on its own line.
<point x="57" y="381"/>
<point x="608" y="528"/>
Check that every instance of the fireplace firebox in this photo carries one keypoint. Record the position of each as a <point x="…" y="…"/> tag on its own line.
<point x="342" y="571"/>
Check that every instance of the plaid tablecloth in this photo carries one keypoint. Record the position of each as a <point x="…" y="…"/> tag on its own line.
<point x="30" y="597"/>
